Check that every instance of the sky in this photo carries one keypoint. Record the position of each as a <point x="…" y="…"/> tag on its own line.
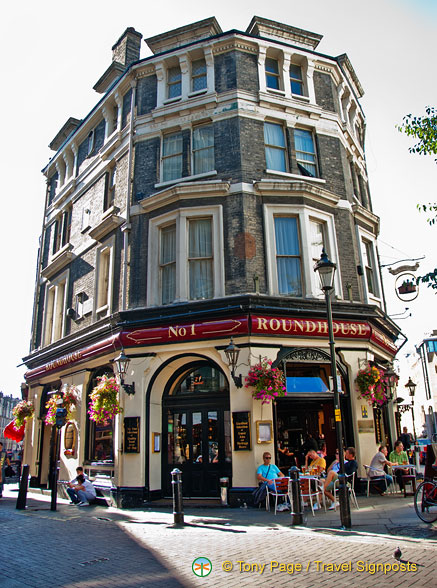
<point x="54" y="52"/>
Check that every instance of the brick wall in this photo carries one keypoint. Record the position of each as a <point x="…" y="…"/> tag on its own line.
<point x="146" y="94"/>
<point x="146" y="168"/>
<point x="324" y="89"/>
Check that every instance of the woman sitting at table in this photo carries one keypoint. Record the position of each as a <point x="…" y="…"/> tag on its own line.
<point x="399" y="456"/>
<point x="317" y="465"/>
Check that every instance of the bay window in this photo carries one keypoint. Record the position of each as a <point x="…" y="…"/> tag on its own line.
<point x="305" y="152"/>
<point x="288" y="256"/>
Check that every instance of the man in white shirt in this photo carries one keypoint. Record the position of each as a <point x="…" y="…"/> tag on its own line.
<point x="83" y="492"/>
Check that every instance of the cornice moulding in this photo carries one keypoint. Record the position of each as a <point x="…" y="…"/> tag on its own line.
<point x="184" y="192"/>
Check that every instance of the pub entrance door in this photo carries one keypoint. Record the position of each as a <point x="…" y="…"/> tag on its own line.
<point x="197" y="430"/>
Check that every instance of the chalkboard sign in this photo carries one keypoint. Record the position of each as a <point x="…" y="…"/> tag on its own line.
<point x="132" y="434"/>
<point x="241" y="422"/>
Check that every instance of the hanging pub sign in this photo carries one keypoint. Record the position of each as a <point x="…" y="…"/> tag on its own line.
<point x="132" y="434"/>
<point x="241" y="423"/>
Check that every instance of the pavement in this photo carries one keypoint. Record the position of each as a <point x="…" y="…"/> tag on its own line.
<point x="106" y="547"/>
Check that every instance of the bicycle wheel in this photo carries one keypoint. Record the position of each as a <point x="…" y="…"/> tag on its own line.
<point x="425" y="502"/>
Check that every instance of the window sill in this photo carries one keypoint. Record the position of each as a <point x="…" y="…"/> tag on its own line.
<point x="274" y="91"/>
<point x="293" y="176"/>
<point x="172" y="100"/>
<point x="186" y="179"/>
<point x="301" y="97"/>
<point x="62" y="258"/>
<point x="102" y="311"/>
<point x="198" y="93"/>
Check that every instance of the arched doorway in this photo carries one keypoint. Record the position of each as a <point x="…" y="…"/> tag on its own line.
<point x="197" y="429"/>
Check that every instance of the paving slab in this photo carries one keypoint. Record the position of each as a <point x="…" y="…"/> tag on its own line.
<point x="107" y="547"/>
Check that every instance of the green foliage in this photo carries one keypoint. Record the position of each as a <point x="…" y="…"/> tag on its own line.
<point x="424" y="128"/>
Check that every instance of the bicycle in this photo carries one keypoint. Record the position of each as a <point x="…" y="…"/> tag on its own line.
<point x="425" y="501"/>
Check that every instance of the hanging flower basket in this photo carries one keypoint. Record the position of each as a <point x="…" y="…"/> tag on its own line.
<point x="70" y="401"/>
<point x="105" y="404"/>
<point x="22" y="413"/>
<point x="407" y="287"/>
<point x="268" y="382"/>
<point x="372" y="385"/>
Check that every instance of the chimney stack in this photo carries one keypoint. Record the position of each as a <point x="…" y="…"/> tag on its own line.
<point x="127" y="49"/>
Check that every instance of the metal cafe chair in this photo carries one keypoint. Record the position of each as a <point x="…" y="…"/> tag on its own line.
<point x="309" y="492"/>
<point x="372" y="479"/>
<point x="350" y="483"/>
<point x="281" y="491"/>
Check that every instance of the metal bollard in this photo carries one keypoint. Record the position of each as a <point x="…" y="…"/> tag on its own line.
<point x="296" y="497"/>
<point x="178" y="509"/>
<point x="224" y="488"/>
<point x="22" y="493"/>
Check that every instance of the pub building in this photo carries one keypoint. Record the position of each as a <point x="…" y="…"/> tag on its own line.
<point x="183" y="216"/>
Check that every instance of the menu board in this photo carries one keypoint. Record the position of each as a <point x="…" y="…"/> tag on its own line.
<point x="132" y="434"/>
<point x="241" y="423"/>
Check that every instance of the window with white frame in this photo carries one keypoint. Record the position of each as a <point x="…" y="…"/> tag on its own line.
<point x="305" y="152"/>
<point x="103" y="277"/>
<point x="185" y="256"/>
<point x="109" y="197"/>
<point x="54" y="310"/>
<point x="370" y="270"/>
<point x="296" y="79"/>
<point x="172" y="148"/>
<point x="272" y="74"/>
<point x="203" y="149"/>
<point x="174" y="82"/>
<point x="200" y="259"/>
<point x="295" y="236"/>
<point x="198" y="75"/>
<point x="167" y="263"/>
<point x="275" y="147"/>
<point x="61" y="230"/>
<point x="288" y="256"/>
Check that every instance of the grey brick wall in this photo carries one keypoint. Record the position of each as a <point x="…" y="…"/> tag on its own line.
<point x="247" y="71"/>
<point x="146" y="168"/>
<point x="333" y="164"/>
<point x="146" y="94"/>
<point x="236" y="69"/>
<point x="227" y="149"/>
<point x="348" y="255"/>
<point x="324" y="89"/>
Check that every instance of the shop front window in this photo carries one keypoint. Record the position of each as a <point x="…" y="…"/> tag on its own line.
<point x="100" y="436"/>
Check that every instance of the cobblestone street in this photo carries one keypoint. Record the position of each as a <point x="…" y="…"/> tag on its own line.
<point x="105" y="547"/>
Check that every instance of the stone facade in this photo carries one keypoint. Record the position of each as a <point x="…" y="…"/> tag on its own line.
<point x="247" y="147"/>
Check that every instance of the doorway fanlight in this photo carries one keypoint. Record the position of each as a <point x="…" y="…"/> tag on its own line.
<point x="232" y="352"/>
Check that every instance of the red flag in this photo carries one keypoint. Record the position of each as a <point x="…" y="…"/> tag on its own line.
<point x="10" y="432"/>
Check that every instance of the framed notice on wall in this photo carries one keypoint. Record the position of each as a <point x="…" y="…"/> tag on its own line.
<point x="242" y="436"/>
<point x="131" y="434"/>
<point x="264" y="431"/>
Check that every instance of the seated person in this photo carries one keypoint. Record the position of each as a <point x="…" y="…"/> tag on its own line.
<point x="377" y="465"/>
<point x="268" y="471"/>
<point x="322" y="450"/>
<point x="400" y="457"/>
<point x="335" y="465"/>
<point x="318" y="464"/>
<point x="79" y="470"/>
<point x="82" y="492"/>
<point x="350" y="467"/>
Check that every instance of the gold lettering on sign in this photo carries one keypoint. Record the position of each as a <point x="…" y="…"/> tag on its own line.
<point x="323" y="328"/>
<point x="362" y="329"/>
<point x="274" y="324"/>
<point x="300" y="325"/>
<point x="262" y="323"/>
<point x="344" y="328"/>
<point x="311" y="327"/>
<point x="284" y="325"/>
<point x="178" y="331"/>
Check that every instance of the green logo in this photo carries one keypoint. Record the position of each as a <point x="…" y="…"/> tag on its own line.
<point x="202" y="567"/>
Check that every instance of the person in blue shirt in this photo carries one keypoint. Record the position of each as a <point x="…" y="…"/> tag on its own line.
<point x="268" y="471"/>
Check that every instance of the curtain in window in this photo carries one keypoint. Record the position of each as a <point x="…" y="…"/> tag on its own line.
<point x="275" y="147"/>
<point x="200" y="259"/>
<point x="168" y="264"/>
<point x="317" y="239"/>
<point x="288" y="256"/>
<point x="172" y="157"/>
<point x="203" y="149"/>
<point x="305" y="152"/>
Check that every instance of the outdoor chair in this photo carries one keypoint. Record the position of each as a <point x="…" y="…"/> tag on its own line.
<point x="373" y="479"/>
<point x="309" y="492"/>
<point x="350" y="483"/>
<point x="281" y="491"/>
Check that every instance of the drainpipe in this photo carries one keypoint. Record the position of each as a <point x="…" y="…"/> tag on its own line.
<point x="127" y="226"/>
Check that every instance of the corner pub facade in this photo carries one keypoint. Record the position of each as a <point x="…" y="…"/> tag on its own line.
<point x="188" y="207"/>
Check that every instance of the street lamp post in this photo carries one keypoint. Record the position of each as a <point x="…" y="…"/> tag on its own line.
<point x="412" y="389"/>
<point x="326" y="270"/>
